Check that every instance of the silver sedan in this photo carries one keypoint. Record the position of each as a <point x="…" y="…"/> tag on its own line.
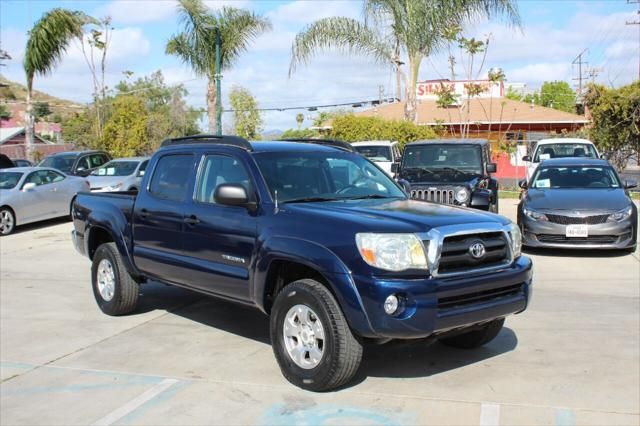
<point x="31" y="194"/>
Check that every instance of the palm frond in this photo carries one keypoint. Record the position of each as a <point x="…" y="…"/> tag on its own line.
<point x="345" y="34"/>
<point x="50" y="38"/>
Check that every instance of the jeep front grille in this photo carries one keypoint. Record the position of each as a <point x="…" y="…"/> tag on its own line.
<point x="436" y="195"/>
<point x="456" y="256"/>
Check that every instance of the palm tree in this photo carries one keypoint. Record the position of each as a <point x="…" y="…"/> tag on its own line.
<point x="195" y="45"/>
<point x="391" y="28"/>
<point x="48" y="41"/>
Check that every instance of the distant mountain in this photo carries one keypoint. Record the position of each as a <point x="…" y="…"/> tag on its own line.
<point x="272" y="134"/>
<point x="14" y="96"/>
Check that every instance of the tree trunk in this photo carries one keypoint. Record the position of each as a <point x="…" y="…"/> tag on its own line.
<point x="28" y="122"/>
<point x="212" y="96"/>
<point x="411" y="105"/>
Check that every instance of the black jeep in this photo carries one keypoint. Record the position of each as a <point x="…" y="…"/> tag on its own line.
<point x="450" y="171"/>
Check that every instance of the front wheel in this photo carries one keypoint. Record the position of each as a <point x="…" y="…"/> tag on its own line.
<point x="311" y="339"/>
<point x="475" y="338"/>
<point x="113" y="288"/>
<point x="7" y="221"/>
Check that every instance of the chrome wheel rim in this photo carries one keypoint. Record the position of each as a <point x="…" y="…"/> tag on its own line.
<point x="106" y="280"/>
<point x="303" y="336"/>
<point x="6" y="221"/>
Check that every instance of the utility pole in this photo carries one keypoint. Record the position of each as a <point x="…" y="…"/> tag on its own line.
<point x="593" y="73"/>
<point x="218" y="77"/>
<point x="578" y="60"/>
<point x="637" y="22"/>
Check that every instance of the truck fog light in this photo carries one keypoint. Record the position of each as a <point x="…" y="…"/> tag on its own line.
<point x="391" y="304"/>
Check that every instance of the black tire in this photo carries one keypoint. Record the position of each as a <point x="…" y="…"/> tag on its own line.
<point x="342" y="352"/>
<point x="125" y="289"/>
<point x="475" y="338"/>
<point x="7" y="221"/>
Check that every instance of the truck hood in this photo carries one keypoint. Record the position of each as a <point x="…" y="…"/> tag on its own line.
<point x="599" y="199"/>
<point x="396" y="215"/>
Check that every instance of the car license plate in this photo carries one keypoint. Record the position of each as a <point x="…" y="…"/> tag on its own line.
<point x="577" y="231"/>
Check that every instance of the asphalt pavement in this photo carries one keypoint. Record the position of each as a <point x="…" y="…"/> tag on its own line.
<point x="572" y="358"/>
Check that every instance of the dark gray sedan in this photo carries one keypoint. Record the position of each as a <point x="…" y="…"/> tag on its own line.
<point x="577" y="203"/>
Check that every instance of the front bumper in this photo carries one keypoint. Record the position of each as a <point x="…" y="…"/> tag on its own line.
<point x="437" y="305"/>
<point x="539" y="234"/>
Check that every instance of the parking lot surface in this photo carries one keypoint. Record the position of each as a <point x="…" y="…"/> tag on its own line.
<point x="572" y="358"/>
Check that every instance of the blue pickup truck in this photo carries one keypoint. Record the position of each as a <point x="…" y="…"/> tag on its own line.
<point x="314" y="235"/>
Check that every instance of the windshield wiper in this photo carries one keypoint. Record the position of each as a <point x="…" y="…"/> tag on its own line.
<point x="420" y="169"/>
<point x="453" y="169"/>
<point x="309" y="200"/>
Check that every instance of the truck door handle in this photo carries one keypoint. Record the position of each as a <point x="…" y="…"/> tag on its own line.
<point x="144" y="213"/>
<point x="191" y="220"/>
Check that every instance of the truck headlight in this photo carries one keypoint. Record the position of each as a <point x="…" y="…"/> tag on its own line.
<point x="621" y="215"/>
<point x="532" y="214"/>
<point x="516" y="240"/>
<point x="392" y="252"/>
<point x="462" y="195"/>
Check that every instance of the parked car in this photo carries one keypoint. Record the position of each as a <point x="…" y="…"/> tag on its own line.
<point x="32" y="194"/>
<point x="121" y="174"/>
<point x="77" y="163"/>
<point x="314" y="235"/>
<point x="450" y="171"/>
<point x="578" y="203"/>
<point x="6" y="162"/>
<point x="383" y="153"/>
<point x="559" y="148"/>
<point x="22" y="163"/>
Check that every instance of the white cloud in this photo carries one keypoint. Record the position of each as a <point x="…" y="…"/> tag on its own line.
<point x="540" y="72"/>
<point x="302" y="12"/>
<point x="126" y="12"/>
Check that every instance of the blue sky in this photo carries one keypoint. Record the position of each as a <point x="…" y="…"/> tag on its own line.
<point x="554" y="32"/>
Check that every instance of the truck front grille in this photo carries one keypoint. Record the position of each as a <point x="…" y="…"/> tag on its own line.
<point x="456" y="253"/>
<point x="452" y="302"/>
<point x="572" y="220"/>
<point x="436" y="195"/>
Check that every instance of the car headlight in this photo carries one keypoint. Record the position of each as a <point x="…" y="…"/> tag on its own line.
<point x="516" y="240"/>
<point x="620" y="215"/>
<point x="532" y="214"/>
<point x="392" y="252"/>
<point x="115" y="187"/>
<point x="462" y="195"/>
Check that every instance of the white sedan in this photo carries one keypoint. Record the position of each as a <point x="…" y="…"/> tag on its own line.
<point x="31" y="194"/>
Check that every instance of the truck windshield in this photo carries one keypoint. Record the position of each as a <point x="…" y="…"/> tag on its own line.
<point x="375" y="153"/>
<point x="454" y="157"/>
<point x="324" y="176"/>
<point x="563" y="150"/>
<point x="575" y="177"/>
<point x="9" y="180"/>
<point x="64" y="163"/>
<point x="116" y="168"/>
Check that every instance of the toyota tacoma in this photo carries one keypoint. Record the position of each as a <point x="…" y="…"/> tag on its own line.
<point x="314" y="235"/>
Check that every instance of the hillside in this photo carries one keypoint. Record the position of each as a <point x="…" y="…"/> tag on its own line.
<point x="14" y="94"/>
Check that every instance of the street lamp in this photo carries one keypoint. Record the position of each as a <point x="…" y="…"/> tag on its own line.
<point x="217" y="77"/>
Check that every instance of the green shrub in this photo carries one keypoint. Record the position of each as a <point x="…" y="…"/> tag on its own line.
<point x="351" y="128"/>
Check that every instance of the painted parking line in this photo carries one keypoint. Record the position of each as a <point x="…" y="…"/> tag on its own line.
<point x="565" y="417"/>
<point x="135" y="403"/>
<point x="489" y="414"/>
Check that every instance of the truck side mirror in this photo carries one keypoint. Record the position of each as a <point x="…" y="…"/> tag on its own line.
<point x="395" y="167"/>
<point x="523" y="184"/>
<point x="526" y="158"/>
<point x="233" y="194"/>
<point x="492" y="168"/>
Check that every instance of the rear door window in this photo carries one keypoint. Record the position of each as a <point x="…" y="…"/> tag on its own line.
<point x="171" y="177"/>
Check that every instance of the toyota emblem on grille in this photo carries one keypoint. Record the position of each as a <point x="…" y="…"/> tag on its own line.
<point x="477" y="250"/>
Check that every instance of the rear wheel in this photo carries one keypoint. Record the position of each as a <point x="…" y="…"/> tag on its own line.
<point x="7" y="221"/>
<point x="475" y="338"/>
<point x="311" y="339"/>
<point x="113" y="288"/>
